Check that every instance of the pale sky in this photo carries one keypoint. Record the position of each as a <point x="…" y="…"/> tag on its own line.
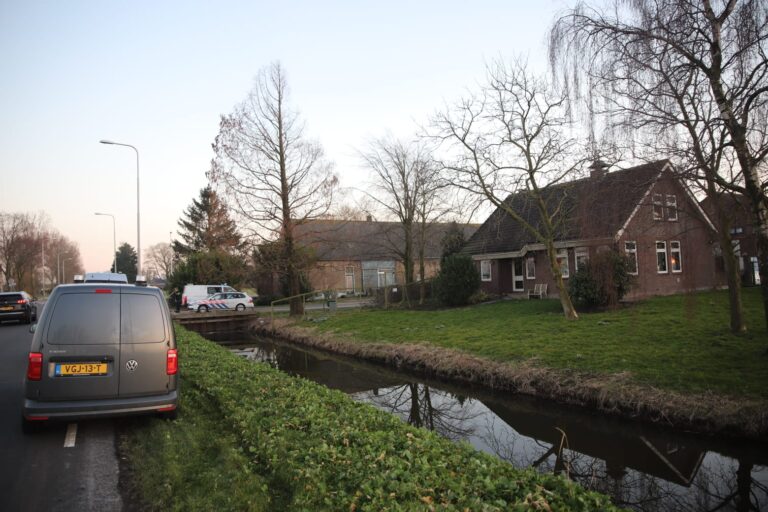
<point x="157" y="75"/>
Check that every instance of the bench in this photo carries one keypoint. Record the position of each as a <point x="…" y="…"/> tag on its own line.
<point x="539" y="291"/>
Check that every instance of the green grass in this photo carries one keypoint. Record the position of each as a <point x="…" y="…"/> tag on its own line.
<point x="193" y="463"/>
<point x="250" y="437"/>
<point x="680" y="343"/>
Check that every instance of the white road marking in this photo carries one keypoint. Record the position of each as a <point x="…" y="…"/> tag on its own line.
<point x="69" y="439"/>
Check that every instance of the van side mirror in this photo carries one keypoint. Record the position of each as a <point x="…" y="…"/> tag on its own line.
<point x="33" y="328"/>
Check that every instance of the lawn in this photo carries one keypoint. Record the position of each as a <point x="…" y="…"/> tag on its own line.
<point x="679" y="343"/>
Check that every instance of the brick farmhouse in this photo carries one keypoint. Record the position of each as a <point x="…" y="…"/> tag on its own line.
<point x="645" y="212"/>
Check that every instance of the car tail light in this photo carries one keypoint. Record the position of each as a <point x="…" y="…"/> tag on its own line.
<point x="22" y="301"/>
<point x="184" y="300"/>
<point x="35" y="366"/>
<point x="250" y="300"/>
<point x="166" y="409"/>
<point x="172" y="363"/>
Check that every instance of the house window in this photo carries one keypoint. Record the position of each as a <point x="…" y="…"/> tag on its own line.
<point x="562" y="261"/>
<point x="671" y="207"/>
<point x="630" y="248"/>
<point x="737" y="231"/>
<point x="581" y="257"/>
<point x="675" y="257"/>
<point x="658" y="207"/>
<point x="661" y="257"/>
<point x="485" y="270"/>
<point x="530" y="267"/>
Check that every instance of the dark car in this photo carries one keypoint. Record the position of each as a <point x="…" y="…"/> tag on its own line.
<point x="101" y="349"/>
<point x="17" y="306"/>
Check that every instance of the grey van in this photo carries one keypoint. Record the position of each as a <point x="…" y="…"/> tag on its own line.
<point x="101" y="350"/>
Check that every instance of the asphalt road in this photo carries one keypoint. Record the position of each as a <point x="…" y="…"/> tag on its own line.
<point x="67" y="467"/>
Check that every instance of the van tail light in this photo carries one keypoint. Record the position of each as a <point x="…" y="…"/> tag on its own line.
<point x="183" y="300"/>
<point x="172" y="363"/>
<point x="35" y="366"/>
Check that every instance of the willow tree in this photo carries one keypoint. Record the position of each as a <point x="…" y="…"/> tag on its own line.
<point x="275" y="176"/>
<point x="510" y="140"/>
<point x="693" y="72"/>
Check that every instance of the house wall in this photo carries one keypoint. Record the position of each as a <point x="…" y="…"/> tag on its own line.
<point x="697" y="245"/>
<point x="327" y="275"/>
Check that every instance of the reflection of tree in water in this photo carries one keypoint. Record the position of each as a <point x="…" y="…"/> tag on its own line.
<point x="449" y="415"/>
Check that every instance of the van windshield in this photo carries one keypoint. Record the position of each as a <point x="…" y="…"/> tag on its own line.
<point x="85" y="319"/>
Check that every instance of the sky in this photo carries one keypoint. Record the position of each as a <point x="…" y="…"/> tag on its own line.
<point x="158" y="76"/>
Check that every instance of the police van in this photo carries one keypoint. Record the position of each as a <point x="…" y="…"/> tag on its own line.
<point x="197" y="292"/>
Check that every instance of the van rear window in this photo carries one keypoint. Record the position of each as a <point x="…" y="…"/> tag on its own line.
<point x="85" y="319"/>
<point x="142" y="319"/>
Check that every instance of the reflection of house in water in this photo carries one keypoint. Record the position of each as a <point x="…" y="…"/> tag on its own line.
<point x="620" y="446"/>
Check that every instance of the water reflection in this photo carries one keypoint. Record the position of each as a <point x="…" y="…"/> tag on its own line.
<point x="640" y="466"/>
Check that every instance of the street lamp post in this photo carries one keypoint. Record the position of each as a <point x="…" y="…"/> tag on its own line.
<point x="138" y="209"/>
<point x="114" y="240"/>
<point x="63" y="268"/>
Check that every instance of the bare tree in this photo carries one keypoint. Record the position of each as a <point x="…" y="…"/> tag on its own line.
<point x="693" y="71"/>
<point x="160" y="257"/>
<point x="406" y="187"/>
<point x="509" y="144"/>
<point x="275" y="176"/>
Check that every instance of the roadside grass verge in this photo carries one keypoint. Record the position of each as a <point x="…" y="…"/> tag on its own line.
<point x="192" y="463"/>
<point x="292" y="444"/>
<point x="679" y="343"/>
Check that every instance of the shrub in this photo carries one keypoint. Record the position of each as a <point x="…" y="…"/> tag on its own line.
<point x="602" y="282"/>
<point x="457" y="281"/>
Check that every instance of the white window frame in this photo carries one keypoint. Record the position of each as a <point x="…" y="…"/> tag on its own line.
<point x="671" y="203"/>
<point x="658" y="202"/>
<point x="633" y="252"/>
<point x="530" y="267"/>
<point x="675" y="247"/>
<point x="483" y="276"/>
<point x="562" y="257"/>
<point x="580" y="252"/>
<point x="661" y="250"/>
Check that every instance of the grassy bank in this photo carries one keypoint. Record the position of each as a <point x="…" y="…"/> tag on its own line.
<point x="249" y="437"/>
<point x="678" y="343"/>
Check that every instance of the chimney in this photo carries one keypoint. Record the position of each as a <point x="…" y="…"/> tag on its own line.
<point x="598" y="169"/>
<point x="368" y="218"/>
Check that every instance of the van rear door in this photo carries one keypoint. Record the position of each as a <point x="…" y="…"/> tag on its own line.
<point x="82" y="349"/>
<point x="144" y="344"/>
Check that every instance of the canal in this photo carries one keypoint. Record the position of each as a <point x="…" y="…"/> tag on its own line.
<point x="643" y="467"/>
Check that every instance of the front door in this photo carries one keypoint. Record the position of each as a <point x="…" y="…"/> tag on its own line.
<point x="517" y="275"/>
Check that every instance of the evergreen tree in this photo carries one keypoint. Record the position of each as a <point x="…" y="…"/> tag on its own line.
<point x="127" y="261"/>
<point x="453" y="241"/>
<point x="206" y="226"/>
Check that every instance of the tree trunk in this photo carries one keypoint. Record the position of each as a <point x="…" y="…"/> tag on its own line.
<point x="565" y="299"/>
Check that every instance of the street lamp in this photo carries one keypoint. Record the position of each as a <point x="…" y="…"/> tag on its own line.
<point x="138" y="209"/>
<point x="114" y="240"/>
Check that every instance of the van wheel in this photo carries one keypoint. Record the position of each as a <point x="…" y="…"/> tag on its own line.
<point x="31" y="427"/>
<point x="202" y="309"/>
<point x="240" y="307"/>
<point x="170" y="415"/>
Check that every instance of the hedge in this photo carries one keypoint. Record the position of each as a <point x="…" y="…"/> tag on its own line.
<point x="318" y="449"/>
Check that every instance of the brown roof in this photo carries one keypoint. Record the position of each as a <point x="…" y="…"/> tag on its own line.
<point x="592" y="208"/>
<point x="345" y="240"/>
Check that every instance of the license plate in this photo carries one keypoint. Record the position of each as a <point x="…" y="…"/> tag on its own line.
<point x="69" y="369"/>
<point x="6" y="308"/>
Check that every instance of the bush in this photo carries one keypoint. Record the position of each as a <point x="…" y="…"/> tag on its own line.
<point x="312" y="448"/>
<point x="602" y="282"/>
<point x="457" y="281"/>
